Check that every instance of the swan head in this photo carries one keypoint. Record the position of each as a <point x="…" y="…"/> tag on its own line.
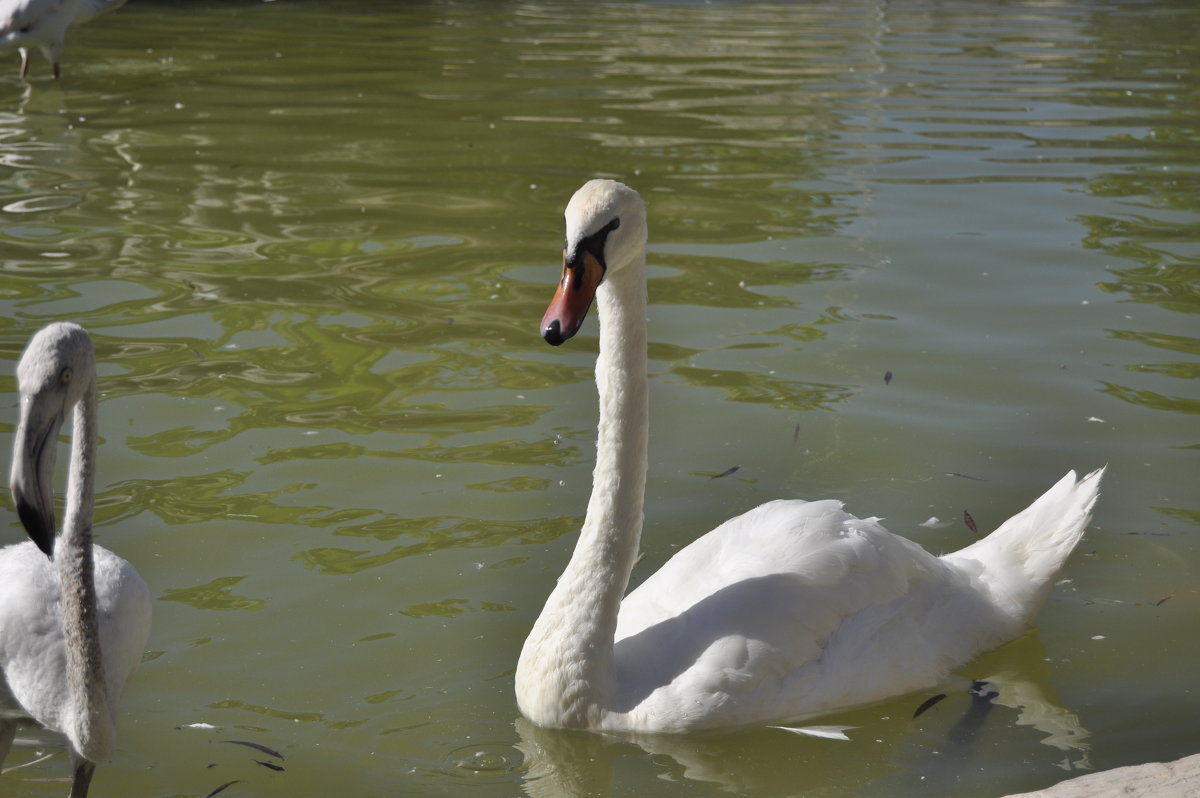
<point x="606" y="233"/>
<point x="55" y="372"/>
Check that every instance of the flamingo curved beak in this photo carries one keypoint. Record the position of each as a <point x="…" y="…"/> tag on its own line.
<point x="32" y="475"/>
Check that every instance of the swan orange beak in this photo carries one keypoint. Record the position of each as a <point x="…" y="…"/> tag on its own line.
<point x="580" y="278"/>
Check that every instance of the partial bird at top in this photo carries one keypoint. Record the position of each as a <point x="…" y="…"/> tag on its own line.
<point x="43" y="24"/>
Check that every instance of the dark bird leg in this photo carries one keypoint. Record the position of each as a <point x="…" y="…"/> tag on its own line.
<point x="83" y="778"/>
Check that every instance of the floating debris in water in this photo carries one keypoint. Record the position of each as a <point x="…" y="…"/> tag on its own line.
<point x="964" y="476"/>
<point x="824" y="732"/>
<point x="726" y="472"/>
<point x="970" y="522"/>
<point x="796" y="435"/>
<point x="271" y="765"/>
<point x="1161" y="600"/>
<point x="928" y="703"/>
<point x="887" y="378"/>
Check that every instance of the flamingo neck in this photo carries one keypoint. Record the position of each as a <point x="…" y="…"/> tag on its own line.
<point x="566" y="672"/>
<point x="91" y="726"/>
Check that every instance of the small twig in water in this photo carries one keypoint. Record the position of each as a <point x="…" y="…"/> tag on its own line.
<point x="256" y="747"/>
<point x="929" y="702"/>
<point x="222" y="788"/>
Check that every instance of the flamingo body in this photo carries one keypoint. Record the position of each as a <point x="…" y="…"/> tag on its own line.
<point x="74" y="617"/>
<point x="33" y="646"/>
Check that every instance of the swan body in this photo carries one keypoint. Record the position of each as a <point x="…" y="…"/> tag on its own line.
<point x="74" y="617"/>
<point x="43" y="24"/>
<point x="792" y="609"/>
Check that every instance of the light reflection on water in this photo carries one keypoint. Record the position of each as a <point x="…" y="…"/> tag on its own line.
<point x="313" y="244"/>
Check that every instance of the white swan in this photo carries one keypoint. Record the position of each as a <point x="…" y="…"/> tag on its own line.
<point x="43" y="24"/>
<point x="792" y="609"/>
<point x="74" y="617"/>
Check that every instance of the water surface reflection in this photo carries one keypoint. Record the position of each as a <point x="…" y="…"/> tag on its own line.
<point x="313" y="244"/>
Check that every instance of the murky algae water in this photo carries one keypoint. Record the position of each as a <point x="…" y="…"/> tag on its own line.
<point x="313" y="241"/>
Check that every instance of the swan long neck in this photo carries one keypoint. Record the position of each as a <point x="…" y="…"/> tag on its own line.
<point x="92" y="733"/>
<point x="567" y="670"/>
<point x="608" y="544"/>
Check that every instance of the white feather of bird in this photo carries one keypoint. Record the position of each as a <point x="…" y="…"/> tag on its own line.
<point x="74" y="617"/>
<point x="43" y="24"/>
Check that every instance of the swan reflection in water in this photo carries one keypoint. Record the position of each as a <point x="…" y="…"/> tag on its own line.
<point x="889" y="753"/>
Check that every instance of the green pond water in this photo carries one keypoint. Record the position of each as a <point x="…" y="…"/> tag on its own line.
<point x="313" y="241"/>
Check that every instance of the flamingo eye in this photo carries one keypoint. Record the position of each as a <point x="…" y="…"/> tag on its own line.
<point x="65" y="376"/>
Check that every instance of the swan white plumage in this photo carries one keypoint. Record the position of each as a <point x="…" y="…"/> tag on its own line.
<point x="792" y="609"/>
<point x="74" y="617"/>
<point x="43" y="24"/>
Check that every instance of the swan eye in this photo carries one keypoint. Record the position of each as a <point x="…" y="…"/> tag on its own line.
<point x="65" y="376"/>
<point x="593" y="245"/>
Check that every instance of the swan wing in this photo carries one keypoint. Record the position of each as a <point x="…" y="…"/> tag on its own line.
<point x="818" y="543"/>
<point x="785" y="611"/>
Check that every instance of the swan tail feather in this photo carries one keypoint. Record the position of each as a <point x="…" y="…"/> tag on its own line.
<point x="1022" y="557"/>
